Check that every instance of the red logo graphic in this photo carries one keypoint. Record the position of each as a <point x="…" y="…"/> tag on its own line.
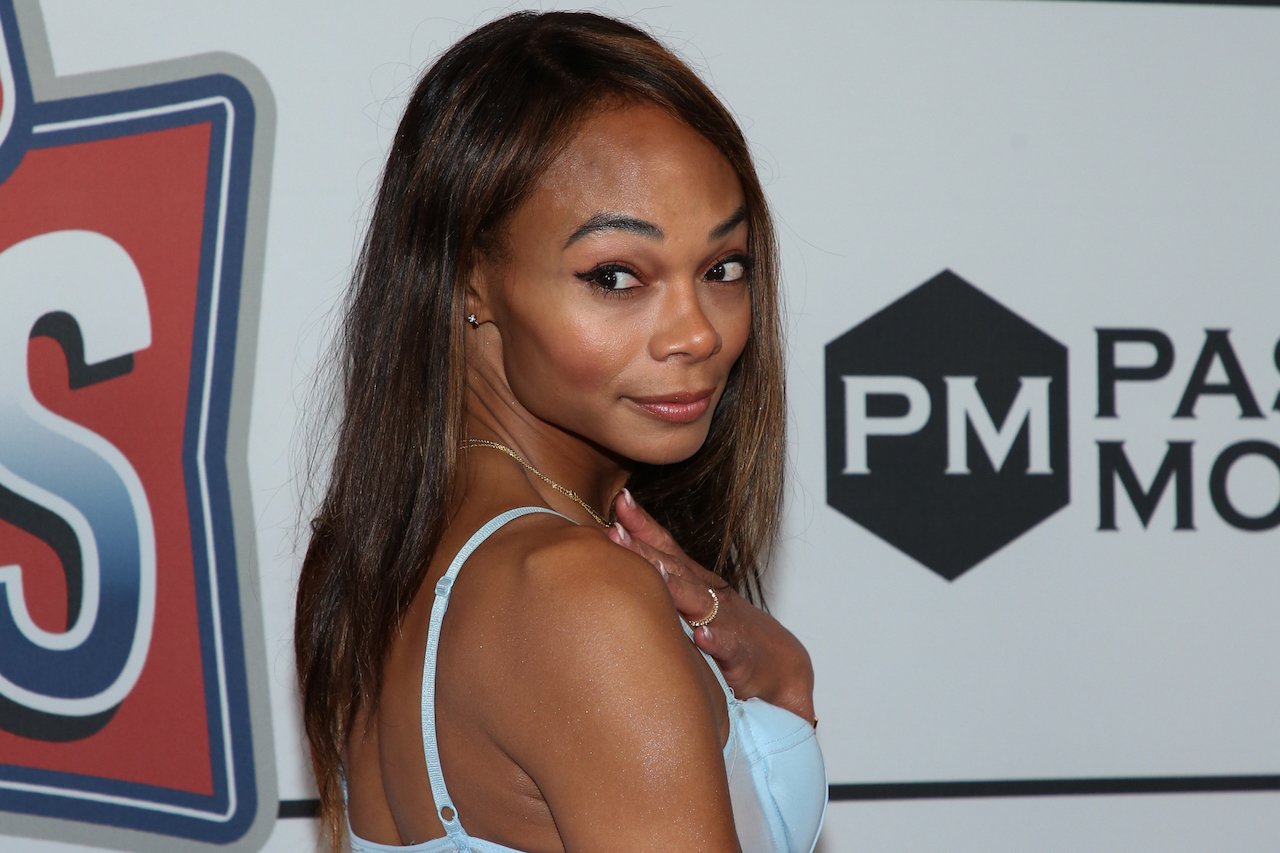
<point x="124" y="695"/>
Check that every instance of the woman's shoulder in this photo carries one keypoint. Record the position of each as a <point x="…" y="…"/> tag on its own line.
<point x="552" y="594"/>
<point x="593" y="642"/>
<point x="561" y="571"/>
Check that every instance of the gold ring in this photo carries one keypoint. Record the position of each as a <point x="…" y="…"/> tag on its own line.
<point x="715" y="610"/>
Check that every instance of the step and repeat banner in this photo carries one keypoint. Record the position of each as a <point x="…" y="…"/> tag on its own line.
<point x="1032" y="280"/>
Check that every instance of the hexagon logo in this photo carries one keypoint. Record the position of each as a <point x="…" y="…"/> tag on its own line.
<point x="947" y="425"/>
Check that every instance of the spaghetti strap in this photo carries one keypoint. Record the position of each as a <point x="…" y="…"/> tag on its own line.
<point x="445" y="809"/>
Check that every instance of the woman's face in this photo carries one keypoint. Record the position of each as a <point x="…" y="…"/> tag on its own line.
<point x="623" y="300"/>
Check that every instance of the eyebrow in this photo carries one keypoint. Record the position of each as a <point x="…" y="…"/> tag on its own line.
<point x="618" y="222"/>
<point x="725" y="228"/>
<point x="611" y="222"/>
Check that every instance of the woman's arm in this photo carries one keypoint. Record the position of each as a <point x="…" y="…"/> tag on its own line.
<point x="758" y="656"/>
<point x="621" y="724"/>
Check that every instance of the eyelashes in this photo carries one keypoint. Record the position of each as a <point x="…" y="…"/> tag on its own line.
<point x="619" y="280"/>
<point x="731" y="269"/>
<point x="611" y="279"/>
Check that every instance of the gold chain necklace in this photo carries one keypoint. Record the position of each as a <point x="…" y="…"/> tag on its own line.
<point x="568" y="493"/>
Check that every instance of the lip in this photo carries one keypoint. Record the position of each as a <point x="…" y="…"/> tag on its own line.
<point x="681" y="407"/>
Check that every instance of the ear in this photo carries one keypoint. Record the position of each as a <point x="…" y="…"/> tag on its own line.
<point x="480" y="290"/>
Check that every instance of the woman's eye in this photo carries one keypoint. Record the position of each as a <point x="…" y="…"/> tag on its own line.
<point x="729" y="270"/>
<point x="611" y="278"/>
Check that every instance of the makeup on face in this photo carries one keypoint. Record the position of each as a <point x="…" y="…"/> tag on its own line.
<point x="624" y="298"/>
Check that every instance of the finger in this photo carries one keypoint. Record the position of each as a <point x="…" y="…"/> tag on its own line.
<point x="698" y="576"/>
<point x="664" y="563"/>
<point x="623" y="537"/>
<point x="708" y="640"/>
<point x="642" y="526"/>
<point x="692" y="599"/>
<point x="677" y="563"/>
<point x="731" y="656"/>
<point x="618" y="534"/>
<point x="685" y="582"/>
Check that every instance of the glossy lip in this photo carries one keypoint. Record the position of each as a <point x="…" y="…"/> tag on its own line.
<point x="682" y="407"/>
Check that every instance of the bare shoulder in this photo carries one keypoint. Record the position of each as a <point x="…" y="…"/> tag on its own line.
<point x="579" y="610"/>
<point x="574" y="570"/>
<point x="608" y="701"/>
<point x="571" y="595"/>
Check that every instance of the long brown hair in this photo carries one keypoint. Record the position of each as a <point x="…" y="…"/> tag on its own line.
<point x="484" y="123"/>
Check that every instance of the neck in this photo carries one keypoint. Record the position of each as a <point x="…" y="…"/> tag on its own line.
<point x="572" y="462"/>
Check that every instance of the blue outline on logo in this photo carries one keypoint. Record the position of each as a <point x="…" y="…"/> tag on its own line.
<point x="225" y="104"/>
<point x="14" y="143"/>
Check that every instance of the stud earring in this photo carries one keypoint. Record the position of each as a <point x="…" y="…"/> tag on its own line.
<point x="471" y="318"/>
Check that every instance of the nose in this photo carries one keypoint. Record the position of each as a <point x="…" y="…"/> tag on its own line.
<point x="683" y="327"/>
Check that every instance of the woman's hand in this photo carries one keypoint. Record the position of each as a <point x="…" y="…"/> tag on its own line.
<point x="758" y="656"/>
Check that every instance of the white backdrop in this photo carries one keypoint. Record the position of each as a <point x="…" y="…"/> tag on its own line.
<point x="1088" y="165"/>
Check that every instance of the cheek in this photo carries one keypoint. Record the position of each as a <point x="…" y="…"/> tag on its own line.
<point x="554" y="363"/>
<point x="734" y="325"/>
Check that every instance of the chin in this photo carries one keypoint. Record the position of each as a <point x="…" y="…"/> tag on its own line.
<point x="668" y="449"/>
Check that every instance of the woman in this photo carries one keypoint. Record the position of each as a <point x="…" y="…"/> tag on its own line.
<point x="569" y="284"/>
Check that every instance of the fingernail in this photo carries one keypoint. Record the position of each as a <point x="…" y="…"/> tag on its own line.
<point x="662" y="570"/>
<point x="627" y="499"/>
<point x="707" y="636"/>
<point x="622" y="533"/>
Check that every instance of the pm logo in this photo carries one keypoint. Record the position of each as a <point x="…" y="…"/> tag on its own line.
<point x="123" y="678"/>
<point x="946" y="425"/>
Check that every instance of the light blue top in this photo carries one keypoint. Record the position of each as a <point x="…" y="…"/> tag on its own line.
<point x="777" y="781"/>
